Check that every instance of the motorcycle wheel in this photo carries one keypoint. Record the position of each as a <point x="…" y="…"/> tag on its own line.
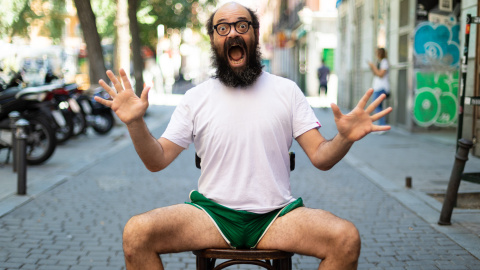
<point x="79" y="123"/>
<point x="63" y="133"/>
<point x="103" y="122"/>
<point x="41" y="141"/>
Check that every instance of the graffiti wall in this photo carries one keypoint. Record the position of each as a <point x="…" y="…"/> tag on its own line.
<point x="436" y="63"/>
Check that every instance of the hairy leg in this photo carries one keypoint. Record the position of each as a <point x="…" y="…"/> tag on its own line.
<point x="317" y="233"/>
<point x="170" y="229"/>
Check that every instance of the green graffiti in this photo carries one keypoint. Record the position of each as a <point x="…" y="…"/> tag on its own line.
<point x="426" y="106"/>
<point x="435" y="100"/>
<point x="448" y="110"/>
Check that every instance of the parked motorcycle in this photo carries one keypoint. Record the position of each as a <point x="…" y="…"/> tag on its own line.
<point x="30" y="102"/>
<point x="98" y="116"/>
<point x="79" y="118"/>
<point x="66" y="107"/>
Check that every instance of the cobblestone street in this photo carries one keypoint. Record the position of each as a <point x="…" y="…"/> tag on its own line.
<point x="78" y="224"/>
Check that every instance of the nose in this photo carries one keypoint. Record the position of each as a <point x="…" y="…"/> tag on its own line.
<point x="233" y="32"/>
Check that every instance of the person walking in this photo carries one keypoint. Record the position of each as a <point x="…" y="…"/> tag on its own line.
<point x="323" y="74"/>
<point x="380" y="82"/>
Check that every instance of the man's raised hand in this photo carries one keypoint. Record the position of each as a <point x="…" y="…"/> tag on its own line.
<point x="125" y="103"/>
<point x="359" y="122"/>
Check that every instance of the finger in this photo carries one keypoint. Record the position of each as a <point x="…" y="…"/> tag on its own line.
<point x="116" y="83"/>
<point x="107" y="88"/>
<point x="380" y="128"/>
<point x="336" y="110"/>
<point x="375" y="103"/>
<point x="381" y="114"/>
<point x="363" y="101"/>
<point x="145" y="92"/>
<point x="125" y="80"/>
<point x="102" y="101"/>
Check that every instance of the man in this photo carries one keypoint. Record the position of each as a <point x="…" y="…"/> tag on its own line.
<point x="242" y="123"/>
<point x="323" y="74"/>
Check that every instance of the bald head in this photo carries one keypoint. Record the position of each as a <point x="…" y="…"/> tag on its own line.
<point x="232" y="7"/>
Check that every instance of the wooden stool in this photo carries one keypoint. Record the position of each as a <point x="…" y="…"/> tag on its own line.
<point x="268" y="259"/>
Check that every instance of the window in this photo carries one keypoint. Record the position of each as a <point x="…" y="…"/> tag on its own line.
<point x="404" y="13"/>
<point x="403" y="48"/>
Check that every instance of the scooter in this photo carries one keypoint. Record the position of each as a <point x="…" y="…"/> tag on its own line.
<point x="31" y="103"/>
<point x="98" y="116"/>
<point x="66" y="107"/>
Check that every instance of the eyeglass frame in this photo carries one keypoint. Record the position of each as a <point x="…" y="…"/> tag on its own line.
<point x="234" y="26"/>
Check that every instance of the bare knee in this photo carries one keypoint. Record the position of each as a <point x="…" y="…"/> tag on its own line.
<point x="136" y="235"/>
<point x="347" y="242"/>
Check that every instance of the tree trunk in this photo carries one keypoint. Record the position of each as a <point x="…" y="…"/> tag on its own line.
<point x="92" y="39"/>
<point x="122" y="48"/>
<point x="136" y="46"/>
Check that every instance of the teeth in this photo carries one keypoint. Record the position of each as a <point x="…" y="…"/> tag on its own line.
<point x="237" y="62"/>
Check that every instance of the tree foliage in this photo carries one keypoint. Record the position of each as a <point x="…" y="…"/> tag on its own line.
<point x="18" y="16"/>
<point x="173" y="14"/>
<point x="105" y="11"/>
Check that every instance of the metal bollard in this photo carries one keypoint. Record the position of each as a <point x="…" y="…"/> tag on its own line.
<point x="14" y="116"/>
<point x="452" y="191"/>
<point x="408" y="182"/>
<point x="21" y="156"/>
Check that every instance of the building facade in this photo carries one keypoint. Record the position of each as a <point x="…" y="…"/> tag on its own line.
<point x="297" y="35"/>
<point x="425" y="44"/>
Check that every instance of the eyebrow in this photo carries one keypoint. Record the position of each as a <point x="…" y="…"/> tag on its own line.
<point x="239" y="18"/>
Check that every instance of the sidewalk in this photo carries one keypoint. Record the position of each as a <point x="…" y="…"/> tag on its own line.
<point x="385" y="160"/>
<point x="428" y="159"/>
<point x="68" y="160"/>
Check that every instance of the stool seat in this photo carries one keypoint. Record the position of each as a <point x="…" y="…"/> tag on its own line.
<point x="266" y="258"/>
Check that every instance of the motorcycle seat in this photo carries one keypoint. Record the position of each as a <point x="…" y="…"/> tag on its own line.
<point x="9" y="94"/>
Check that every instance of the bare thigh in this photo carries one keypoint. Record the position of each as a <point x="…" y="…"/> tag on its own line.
<point x="175" y="228"/>
<point x="307" y="231"/>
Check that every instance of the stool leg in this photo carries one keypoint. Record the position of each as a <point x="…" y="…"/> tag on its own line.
<point x="283" y="264"/>
<point x="205" y="263"/>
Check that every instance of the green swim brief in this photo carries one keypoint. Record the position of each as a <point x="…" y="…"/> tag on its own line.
<point x="240" y="229"/>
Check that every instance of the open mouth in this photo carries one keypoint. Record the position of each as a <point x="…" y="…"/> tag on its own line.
<point x="236" y="55"/>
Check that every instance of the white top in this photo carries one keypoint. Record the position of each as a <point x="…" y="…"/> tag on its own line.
<point x="243" y="137"/>
<point x="381" y="83"/>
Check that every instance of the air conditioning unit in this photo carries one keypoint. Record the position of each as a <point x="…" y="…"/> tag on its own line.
<point x="445" y="5"/>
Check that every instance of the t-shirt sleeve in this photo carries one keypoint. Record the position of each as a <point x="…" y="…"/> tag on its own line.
<point x="384" y="64"/>
<point x="180" y="127"/>
<point x="304" y="118"/>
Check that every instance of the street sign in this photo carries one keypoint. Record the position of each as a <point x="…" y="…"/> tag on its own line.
<point x="472" y="101"/>
<point x="475" y="19"/>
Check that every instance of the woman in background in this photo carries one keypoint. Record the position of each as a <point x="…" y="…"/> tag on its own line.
<point x="380" y="83"/>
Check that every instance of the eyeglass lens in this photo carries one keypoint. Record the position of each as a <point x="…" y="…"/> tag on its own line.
<point x="224" y="28"/>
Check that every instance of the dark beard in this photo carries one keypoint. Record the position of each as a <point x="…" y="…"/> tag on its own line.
<point x="243" y="78"/>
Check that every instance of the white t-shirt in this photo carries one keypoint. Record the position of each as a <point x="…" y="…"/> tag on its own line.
<point x="243" y="137"/>
<point x="382" y="83"/>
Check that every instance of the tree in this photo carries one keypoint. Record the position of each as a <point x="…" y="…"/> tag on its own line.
<point x="92" y="39"/>
<point x="144" y="16"/>
<point x="136" y="46"/>
<point x="122" y="38"/>
<point x="173" y="14"/>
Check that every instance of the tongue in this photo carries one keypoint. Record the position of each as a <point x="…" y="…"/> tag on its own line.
<point x="235" y="53"/>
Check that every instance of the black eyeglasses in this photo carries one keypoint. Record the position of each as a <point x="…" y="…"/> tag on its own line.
<point x="241" y="27"/>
